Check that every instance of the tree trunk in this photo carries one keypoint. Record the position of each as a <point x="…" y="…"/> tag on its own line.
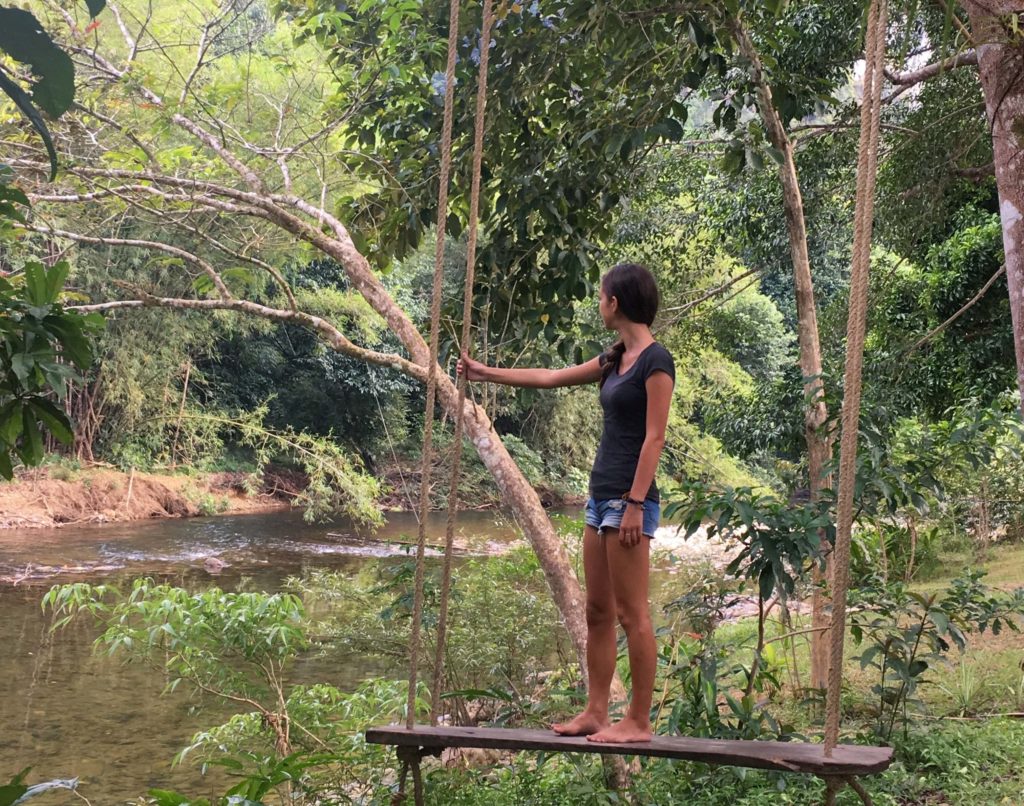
<point x="819" y="447"/>
<point x="517" y="493"/>
<point x="1000" y="50"/>
<point x="520" y="497"/>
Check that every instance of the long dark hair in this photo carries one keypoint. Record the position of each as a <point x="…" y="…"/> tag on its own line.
<point x="634" y="287"/>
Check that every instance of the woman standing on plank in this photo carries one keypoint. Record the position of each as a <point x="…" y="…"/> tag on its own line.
<point x="636" y="376"/>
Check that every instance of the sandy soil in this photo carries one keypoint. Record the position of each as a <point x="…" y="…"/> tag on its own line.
<point x="47" y="497"/>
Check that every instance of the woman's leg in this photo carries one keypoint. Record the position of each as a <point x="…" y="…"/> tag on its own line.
<point x="601" y="648"/>
<point x="629" y="571"/>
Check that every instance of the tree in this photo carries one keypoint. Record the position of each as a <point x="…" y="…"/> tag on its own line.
<point x="205" y="151"/>
<point x="41" y="344"/>
<point x="999" y="39"/>
<point x="995" y="45"/>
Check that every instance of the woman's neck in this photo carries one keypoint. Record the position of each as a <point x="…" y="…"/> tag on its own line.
<point x="635" y="336"/>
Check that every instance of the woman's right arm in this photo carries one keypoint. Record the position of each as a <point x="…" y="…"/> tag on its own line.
<point x="536" y="378"/>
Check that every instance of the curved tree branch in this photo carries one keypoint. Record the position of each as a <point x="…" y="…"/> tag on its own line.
<point x="984" y="290"/>
<point x="911" y="77"/>
<point x="184" y="254"/>
<point x="334" y="337"/>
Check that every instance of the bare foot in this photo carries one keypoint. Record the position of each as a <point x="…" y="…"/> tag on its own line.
<point x="628" y="730"/>
<point x="583" y="725"/>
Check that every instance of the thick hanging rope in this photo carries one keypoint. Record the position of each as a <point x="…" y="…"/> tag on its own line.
<point x="467" y="318"/>
<point x="435" y="328"/>
<point x="867" y="163"/>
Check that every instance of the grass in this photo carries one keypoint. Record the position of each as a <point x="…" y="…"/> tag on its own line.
<point x="939" y="760"/>
<point x="1003" y="562"/>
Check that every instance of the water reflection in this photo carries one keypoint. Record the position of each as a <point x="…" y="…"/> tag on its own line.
<point x="67" y="712"/>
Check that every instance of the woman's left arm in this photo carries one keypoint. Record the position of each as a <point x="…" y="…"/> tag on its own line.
<point x="659" y="398"/>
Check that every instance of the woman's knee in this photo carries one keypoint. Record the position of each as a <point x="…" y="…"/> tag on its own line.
<point x="600" y="614"/>
<point x="634" y="619"/>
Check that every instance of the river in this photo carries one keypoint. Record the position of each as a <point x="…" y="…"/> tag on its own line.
<point x="67" y="712"/>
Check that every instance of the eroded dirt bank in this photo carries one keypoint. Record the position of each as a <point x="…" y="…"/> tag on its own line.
<point x="53" y="497"/>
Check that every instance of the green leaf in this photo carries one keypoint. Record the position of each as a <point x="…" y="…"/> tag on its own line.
<point x="7" y="471"/>
<point x="95" y="6"/>
<point x="24" y="39"/>
<point x="73" y="341"/>
<point x="11" y="794"/>
<point x="32" y="445"/>
<point x="55" y="279"/>
<point x="35" y="283"/>
<point x="55" y="420"/>
<point x="163" y="797"/>
<point x="24" y="103"/>
<point x="10" y="422"/>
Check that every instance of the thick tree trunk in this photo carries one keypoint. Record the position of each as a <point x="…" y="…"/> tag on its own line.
<point x="520" y="497"/>
<point x="337" y="244"/>
<point x="819" y="447"/>
<point x="1000" y="48"/>
<point x="516" y="491"/>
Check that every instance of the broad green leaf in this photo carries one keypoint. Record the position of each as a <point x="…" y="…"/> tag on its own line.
<point x="32" y="443"/>
<point x="10" y="422"/>
<point x="95" y="6"/>
<point x="11" y="794"/>
<point x="55" y="420"/>
<point x="55" y="279"/>
<point x="940" y="619"/>
<point x="24" y="103"/>
<point x="7" y="471"/>
<point x="24" y="40"/>
<point x="73" y="340"/>
<point x="163" y="797"/>
<point x="35" y="283"/>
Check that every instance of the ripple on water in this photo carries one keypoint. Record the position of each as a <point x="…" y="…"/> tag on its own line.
<point x="67" y="712"/>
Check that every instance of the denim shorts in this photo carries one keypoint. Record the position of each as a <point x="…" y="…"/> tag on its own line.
<point x="607" y="514"/>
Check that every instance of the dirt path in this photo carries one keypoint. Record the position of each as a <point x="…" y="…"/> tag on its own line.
<point x="51" y="497"/>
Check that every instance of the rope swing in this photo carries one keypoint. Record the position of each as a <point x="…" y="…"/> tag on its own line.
<point x="836" y="764"/>
<point x="867" y="165"/>
<point x="435" y="329"/>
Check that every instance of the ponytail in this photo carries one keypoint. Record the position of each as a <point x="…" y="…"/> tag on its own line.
<point x="612" y="357"/>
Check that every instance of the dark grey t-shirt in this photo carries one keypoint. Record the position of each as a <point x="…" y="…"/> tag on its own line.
<point x="624" y="400"/>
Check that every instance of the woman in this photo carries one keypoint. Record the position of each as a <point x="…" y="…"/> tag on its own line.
<point x="636" y="377"/>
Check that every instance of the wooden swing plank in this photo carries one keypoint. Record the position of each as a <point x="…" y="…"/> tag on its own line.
<point x="799" y="757"/>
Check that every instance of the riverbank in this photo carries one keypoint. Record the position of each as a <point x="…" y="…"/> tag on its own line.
<point x="59" y="495"/>
<point x="56" y="495"/>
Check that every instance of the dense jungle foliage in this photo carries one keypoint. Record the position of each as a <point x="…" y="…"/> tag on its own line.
<point x="243" y="218"/>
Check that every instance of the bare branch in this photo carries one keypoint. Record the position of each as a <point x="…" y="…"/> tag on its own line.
<point x="155" y="245"/>
<point x="978" y="173"/>
<point x="255" y="261"/>
<point x="968" y="57"/>
<point x="824" y="128"/>
<point x="984" y="290"/>
<point x="204" y="44"/>
<point x="680" y="310"/>
<point x="182" y="222"/>
<point x="334" y="337"/>
<point x="123" y="130"/>
<point x="207" y="138"/>
<point x="133" y="44"/>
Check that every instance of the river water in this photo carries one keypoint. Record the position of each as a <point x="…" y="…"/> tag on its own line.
<point x="67" y="712"/>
